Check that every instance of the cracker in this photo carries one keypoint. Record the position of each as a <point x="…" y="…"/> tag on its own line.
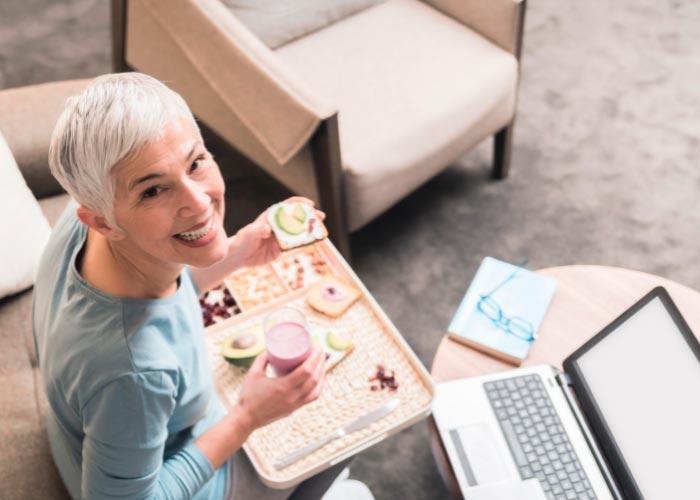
<point x="253" y="286"/>
<point x="301" y="268"/>
<point x="295" y="224"/>
<point x="332" y="296"/>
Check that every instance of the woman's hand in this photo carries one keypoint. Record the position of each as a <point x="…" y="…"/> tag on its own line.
<point x="256" y="244"/>
<point x="263" y="400"/>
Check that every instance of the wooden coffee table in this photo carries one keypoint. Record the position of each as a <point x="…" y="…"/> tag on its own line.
<point x="587" y="298"/>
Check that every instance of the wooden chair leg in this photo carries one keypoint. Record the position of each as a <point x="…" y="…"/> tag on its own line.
<point x="325" y="147"/>
<point x="502" y="144"/>
<point x="119" y="64"/>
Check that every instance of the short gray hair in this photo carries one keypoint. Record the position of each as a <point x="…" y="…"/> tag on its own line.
<point x="110" y="120"/>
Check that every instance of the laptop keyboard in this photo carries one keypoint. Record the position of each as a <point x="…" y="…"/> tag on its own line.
<point x="536" y="438"/>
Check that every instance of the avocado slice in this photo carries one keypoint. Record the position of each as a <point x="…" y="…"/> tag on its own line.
<point x="243" y="347"/>
<point x="338" y="342"/>
<point x="287" y="223"/>
<point x="299" y="213"/>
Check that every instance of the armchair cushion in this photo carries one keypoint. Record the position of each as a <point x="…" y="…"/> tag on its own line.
<point x="23" y="222"/>
<point x="498" y="20"/>
<point x="276" y="22"/>
<point x="415" y="89"/>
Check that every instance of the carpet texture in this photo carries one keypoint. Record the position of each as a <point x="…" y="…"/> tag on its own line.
<point x="605" y="171"/>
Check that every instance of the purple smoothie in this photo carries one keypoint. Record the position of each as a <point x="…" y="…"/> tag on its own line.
<point x="288" y="345"/>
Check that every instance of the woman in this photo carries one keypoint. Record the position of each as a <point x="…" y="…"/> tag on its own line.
<point x="133" y="413"/>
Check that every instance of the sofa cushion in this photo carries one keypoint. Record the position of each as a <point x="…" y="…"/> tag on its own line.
<point x="27" y="120"/>
<point x="26" y="466"/>
<point x="276" y="22"/>
<point x="23" y="220"/>
<point x="15" y="321"/>
<point x="53" y="207"/>
<point x="415" y="89"/>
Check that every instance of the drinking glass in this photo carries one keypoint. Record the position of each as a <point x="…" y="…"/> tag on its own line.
<point x="287" y="339"/>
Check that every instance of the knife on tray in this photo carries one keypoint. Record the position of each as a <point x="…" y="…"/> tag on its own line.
<point x="378" y="413"/>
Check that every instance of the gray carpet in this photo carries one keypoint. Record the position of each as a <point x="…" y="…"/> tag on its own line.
<point x="605" y="171"/>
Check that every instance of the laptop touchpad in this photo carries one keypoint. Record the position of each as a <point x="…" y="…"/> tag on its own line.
<point x="479" y="454"/>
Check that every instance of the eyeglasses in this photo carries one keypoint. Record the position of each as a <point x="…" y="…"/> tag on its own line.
<point x="514" y="325"/>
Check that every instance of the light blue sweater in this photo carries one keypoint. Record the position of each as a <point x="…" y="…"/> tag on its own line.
<point x="128" y="382"/>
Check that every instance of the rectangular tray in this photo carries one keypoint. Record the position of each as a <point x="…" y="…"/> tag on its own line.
<point x="347" y="393"/>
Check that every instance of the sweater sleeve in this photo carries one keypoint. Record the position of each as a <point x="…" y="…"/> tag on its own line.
<point x="125" y="425"/>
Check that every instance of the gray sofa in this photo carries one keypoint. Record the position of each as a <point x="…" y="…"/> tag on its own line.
<point x="27" y="117"/>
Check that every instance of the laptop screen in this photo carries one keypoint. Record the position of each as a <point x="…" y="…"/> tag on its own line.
<point x="640" y="381"/>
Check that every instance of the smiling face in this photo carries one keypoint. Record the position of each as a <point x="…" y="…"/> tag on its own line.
<point x="169" y="201"/>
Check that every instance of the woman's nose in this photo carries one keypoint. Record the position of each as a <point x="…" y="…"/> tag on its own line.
<point x="194" y="201"/>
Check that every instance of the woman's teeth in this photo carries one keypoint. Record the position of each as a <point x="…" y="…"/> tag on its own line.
<point x="194" y="235"/>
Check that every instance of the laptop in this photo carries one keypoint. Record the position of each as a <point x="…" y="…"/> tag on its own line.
<point x="621" y="421"/>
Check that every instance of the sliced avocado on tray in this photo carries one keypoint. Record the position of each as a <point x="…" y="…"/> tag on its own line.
<point x="243" y="347"/>
<point x="336" y="346"/>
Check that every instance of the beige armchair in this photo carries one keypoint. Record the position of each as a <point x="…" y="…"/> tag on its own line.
<point x="355" y="115"/>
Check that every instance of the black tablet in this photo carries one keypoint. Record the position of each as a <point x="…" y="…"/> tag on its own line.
<point x="638" y="384"/>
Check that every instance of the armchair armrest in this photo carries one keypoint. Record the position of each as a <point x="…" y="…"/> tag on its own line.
<point x="28" y="117"/>
<point x="230" y="79"/>
<point x="501" y="21"/>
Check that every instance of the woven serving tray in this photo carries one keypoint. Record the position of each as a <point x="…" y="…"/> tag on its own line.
<point x="348" y="392"/>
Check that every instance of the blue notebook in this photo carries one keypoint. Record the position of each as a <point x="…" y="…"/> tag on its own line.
<point x="526" y="295"/>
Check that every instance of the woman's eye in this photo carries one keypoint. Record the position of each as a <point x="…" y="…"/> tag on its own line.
<point x="151" y="192"/>
<point x="197" y="163"/>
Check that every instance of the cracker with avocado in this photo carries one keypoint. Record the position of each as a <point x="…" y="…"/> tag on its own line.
<point x="336" y="346"/>
<point x="295" y="224"/>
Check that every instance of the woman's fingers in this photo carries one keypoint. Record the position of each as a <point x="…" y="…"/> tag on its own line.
<point x="312" y="388"/>
<point x="308" y="378"/>
<point x="259" y="364"/>
<point x="305" y="370"/>
<point x="316" y="391"/>
<point x="264" y="230"/>
<point x="262" y="218"/>
<point x="313" y="381"/>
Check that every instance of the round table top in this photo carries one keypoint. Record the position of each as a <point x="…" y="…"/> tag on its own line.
<point x="586" y="299"/>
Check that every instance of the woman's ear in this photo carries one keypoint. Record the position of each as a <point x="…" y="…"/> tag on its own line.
<point x="99" y="223"/>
